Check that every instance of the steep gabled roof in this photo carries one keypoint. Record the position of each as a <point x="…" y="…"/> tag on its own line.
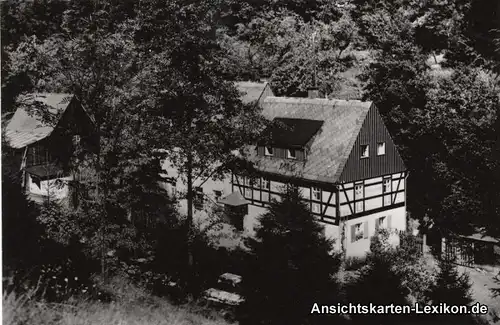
<point x="28" y="125"/>
<point x="251" y="91"/>
<point x="329" y="149"/>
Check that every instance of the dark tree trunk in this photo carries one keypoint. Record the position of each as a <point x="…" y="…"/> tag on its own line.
<point x="189" y="220"/>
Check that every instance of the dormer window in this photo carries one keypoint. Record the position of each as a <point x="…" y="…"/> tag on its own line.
<point x="380" y="148"/>
<point x="365" y="151"/>
<point x="288" y="138"/>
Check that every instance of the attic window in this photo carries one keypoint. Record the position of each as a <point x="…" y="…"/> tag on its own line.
<point x="365" y="151"/>
<point x="291" y="154"/>
<point x="268" y="151"/>
<point x="380" y="148"/>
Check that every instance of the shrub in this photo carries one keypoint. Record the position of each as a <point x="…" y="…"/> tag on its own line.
<point x="353" y="263"/>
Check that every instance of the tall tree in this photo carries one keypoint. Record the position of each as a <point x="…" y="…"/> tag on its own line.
<point x="458" y="127"/>
<point x="202" y="118"/>
<point x="451" y="288"/>
<point x="291" y="267"/>
<point x="95" y="58"/>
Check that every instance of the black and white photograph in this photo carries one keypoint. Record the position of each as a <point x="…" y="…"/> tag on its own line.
<point x="250" y="162"/>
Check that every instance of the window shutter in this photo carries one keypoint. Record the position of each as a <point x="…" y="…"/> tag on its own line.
<point x="353" y="233"/>
<point x="365" y="232"/>
<point x="389" y="222"/>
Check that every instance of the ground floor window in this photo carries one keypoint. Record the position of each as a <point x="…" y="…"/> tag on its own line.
<point x="359" y="231"/>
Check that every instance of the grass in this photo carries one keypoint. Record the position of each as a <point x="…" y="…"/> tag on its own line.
<point x="131" y="305"/>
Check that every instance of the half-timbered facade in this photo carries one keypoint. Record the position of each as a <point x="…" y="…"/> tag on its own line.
<point x="343" y="159"/>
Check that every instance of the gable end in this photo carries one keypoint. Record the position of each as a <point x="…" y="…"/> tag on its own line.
<point x="373" y="131"/>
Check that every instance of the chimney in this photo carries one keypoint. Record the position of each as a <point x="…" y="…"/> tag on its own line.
<point x="313" y="93"/>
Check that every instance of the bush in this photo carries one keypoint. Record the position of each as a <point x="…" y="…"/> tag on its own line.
<point x="416" y="274"/>
<point x="353" y="263"/>
<point x="378" y="284"/>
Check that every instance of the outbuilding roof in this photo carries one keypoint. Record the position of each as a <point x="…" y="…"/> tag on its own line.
<point x="31" y="124"/>
<point x="234" y="199"/>
<point x="329" y="149"/>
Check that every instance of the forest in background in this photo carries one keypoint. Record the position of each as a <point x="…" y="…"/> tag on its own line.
<point x="431" y="67"/>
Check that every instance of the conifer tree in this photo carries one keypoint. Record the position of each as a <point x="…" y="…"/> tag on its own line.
<point x="291" y="266"/>
<point x="378" y="284"/>
<point x="451" y="287"/>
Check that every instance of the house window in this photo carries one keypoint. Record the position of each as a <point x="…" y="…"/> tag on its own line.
<point x="386" y="186"/>
<point x="316" y="194"/>
<point x="316" y="208"/>
<point x="380" y="148"/>
<point x="380" y="223"/>
<point x="365" y="151"/>
<point x="357" y="232"/>
<point x="265" y="184"/>
<point x="246" y="181"/>
<point x="268" y="151"/>
<point x="358" y="188"/>
<point x="291" y="154"/>
<point x="199" y="198"/>
<point x="359" y="191"/>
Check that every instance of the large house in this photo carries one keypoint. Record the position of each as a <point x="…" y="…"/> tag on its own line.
<point x="343" y="159"/>
<point x="341" y="156"/>
<point x="42" y="133"/>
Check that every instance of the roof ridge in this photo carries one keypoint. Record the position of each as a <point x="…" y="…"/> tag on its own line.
<point x="312" y="100"/>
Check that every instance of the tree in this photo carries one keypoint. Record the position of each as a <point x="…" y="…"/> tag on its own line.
<point x="295" y="53"/>
<point x="378" y="284"/>
<point x="451" y="288"/>
<point x="458" y="125"/>
<point x="22" y="234"/>
<point x="434" y="145"/>
<point x="198" y="109"/>
<point x="291" y="267"/>
<point x="313" y="58"/>
<point x="406" y="261"/>
<point x="95" y="58"/>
